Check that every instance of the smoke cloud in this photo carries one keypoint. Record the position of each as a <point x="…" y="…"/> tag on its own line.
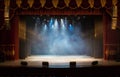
<point x="59" y="36"/>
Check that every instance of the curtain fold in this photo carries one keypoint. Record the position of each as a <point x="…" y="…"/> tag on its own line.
<point x="109" y="4"/>
<point x="48" y="5"/>
<point x="14" y="36"/>
<point x="72" y="4"/>
<point x="85" y="4"/>
<point x="13" y="5"/>
<point x="36" y="4"/>
<point x="97" y="4"/>
<point x="24" y="4"/>
<point x="61" y="4"/>
<point x="22" y="38"/>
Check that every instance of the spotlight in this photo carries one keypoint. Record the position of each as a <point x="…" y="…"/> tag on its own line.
<point x="62" y="24"/>
<point x="73" y="64"/>
<point x="45" y="64"/>
<point x="94" y="63"/>
<point x="56" y="24"/>
<point x="24" y="63"/>
<point x="45" y="27"/>
<point x="71" y="27"/>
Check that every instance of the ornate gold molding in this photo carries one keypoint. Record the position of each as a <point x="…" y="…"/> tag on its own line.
<point x="67" y="2"/>
<point x="55" y="3"/>
<point x="30" y="2"/>
<point x="78" y="2"/>
<point x="91" y="2"/>
<point x="6" y="14"/>
<point x="42" y="2"/>
<point x="103" y="2"/>
<point x="18" y="2"/>
<point x="114" y="2"/>
<point x="114" y="23"/>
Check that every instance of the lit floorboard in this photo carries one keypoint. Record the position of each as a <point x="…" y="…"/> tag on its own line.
<point x="60" y="61"/>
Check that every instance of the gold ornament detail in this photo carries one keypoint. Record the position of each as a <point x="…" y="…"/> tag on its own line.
<point x="103" y="2"/>
<point x="30" y="2"/>
<point x="42" y="2"/>
<point x="55" y="3"/>
<point x="114" y="2"/>
<point x="6" y="14"/>
<point x="78" y="2"/>
<point x="91" y="2"/>
<point x="114" y="16"/>
<point x="115" y="11"/>
<point x="18" y="2"/>
<point x="114" y="23"/>
<point x="7" y="3"/>
<point x="67" y="2"/>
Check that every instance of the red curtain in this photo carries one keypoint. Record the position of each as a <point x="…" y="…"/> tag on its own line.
<point x="14" y="37"/>
<point x="111" y="39"/>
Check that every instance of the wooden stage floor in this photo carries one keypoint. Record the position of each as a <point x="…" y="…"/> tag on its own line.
<point x="60" y="61"/>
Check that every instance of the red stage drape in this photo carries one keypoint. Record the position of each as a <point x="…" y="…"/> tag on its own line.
<point x="110" y="37"/>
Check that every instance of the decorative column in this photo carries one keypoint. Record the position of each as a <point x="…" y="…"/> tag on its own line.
<point x="6" y="14"/>
<point x="114" y="15"/>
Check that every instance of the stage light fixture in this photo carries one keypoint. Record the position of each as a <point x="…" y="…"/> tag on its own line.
<point x="73" y="64"/>
<point x="45" y="64"/>
<point x="24" y="63"/>
<point x="94" y="63"/>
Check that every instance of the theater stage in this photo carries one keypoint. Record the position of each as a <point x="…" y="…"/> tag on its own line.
<point x="60" y="61"/>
